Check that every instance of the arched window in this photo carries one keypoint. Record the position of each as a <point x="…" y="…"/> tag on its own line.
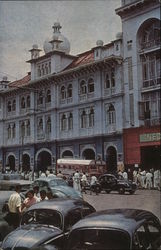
<point x="40" y="98"/>
<point x="48" y="125"/>
<point x="22" y="129"/>
<point x="48" y="96"/>
<point x="112" y="79"/>
<point x="14" y="105"/>
<point x="63" y="122"/>
<point x="111" y="115"/>
<point x="70" y="121"/>
<point x="83" y="119"/>
<point x="69" y="91"/>
<point x="22" y="102"/>
<point x="13" y="130"/>
<point x="28" y="128"/>
<point x="28" y="101"/>
<point x="63" y="94"/>
<point x="91" y="118"/>
<point x="9" y="131"/>
<point x="40" y="126"/>
<point x="107" y="82"/>
<point x="9" y="106"/>
<point x="90" y="85"/>
<point x="83" y="87"/>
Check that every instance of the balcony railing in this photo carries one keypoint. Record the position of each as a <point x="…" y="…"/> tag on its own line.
<point x="152" y="121"/>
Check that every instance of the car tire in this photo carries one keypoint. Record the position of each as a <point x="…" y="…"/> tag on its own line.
<point x="121" y="190"/>
<point x="107" y="191"/>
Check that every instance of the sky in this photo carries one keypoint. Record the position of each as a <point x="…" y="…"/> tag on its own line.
<point x="24" y="23"/>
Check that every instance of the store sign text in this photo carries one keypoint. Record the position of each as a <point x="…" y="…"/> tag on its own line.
<point x="150" y="137"/>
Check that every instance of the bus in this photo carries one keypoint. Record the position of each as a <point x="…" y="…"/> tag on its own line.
<point x="90" y="167"/>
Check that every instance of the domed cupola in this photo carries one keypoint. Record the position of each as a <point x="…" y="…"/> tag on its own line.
<point x="57" y="42"/>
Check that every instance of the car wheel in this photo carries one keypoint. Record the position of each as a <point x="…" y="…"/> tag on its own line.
<point x="121" y="190"/>
<point x="108" y="191"/>
<point x="131" y="192"/>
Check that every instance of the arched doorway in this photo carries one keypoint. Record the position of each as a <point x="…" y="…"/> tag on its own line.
<point x="25" y="162"/>
<point x="111" y="159"/>
<point x="88" y="154"/>
<point x="67" y="154"/>
<point x="43" y="161"/>
<point x="11" y="162"/>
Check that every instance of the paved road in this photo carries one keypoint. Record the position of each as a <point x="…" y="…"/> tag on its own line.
<point x="142" y="199"/>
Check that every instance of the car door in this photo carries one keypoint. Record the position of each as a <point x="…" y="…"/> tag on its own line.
<point x="71" y="218"/>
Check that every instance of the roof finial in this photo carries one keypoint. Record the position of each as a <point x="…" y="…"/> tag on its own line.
<point x="56" y="27"/>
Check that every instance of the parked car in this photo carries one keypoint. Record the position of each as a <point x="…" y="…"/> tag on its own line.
<point x="110" y="182"/>
<point x="126" y="229"/>
<point x="47" y="222"/>
<point x="58" y="186"/>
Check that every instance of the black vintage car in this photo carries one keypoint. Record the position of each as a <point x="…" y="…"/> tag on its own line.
<point x="116" y="229"/>
<point x="47" y="222"/>
<point x="110" y="182"/>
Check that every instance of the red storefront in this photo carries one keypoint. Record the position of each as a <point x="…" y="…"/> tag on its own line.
<point x="142" y="147"/>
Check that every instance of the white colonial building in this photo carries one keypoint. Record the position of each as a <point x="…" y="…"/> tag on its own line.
<point x="78" y="106"/>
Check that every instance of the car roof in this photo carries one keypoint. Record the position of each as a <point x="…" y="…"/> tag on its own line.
<point x="123" y="219"/>
<point x="48" y="178"/>
<point x="64" y="205"/>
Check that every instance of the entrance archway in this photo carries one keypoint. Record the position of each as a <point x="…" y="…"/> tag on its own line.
<point x="67" y="154"/>
<point x="111" y="159"/>
<point x="88" y="154"/>
<point x="25" y="162"/>
<point x="43" y="161"/>
<point x="11" y="162"/>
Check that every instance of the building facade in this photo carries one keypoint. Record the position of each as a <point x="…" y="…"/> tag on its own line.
<point x="85" y="106"/>
<point x="141" y="27"/>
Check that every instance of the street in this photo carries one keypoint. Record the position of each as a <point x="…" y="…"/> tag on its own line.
<point x="142" y="199"/>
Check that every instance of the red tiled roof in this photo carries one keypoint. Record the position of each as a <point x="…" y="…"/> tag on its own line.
<point x="82" y="59"/>
<point x="21" y="82"/>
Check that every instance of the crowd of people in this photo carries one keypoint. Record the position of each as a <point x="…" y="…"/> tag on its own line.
<point x="145" y="179"/>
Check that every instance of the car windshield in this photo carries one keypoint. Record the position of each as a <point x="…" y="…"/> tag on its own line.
<point x="42" y="216"/>
<point x="91" y="239"/>
<point x="58" y="182"/>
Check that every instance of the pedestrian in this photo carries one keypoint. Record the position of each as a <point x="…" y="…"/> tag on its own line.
<point x="14" y="206"/>
<point x="93" y="184"/>
<point x="143" y="177"/>
<point x="148" y="180"/>
<point x="157" y="179"/>
<point x="43" y="195"/>
<point x="43" y="174"/>
<point x="49" y="194"/>
<point x="84" y="182"/>
<point x="36" y="192"/>
<point x="29" y="201"/>
<point x="135" y="176"/>
<point x="60" y="175"/>
<point x="51" y="174"/>
<point x="125" y="176"/>
<point x="76" y="181"/>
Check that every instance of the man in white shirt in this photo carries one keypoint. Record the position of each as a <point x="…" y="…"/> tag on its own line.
<point x="14" y="205"/>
